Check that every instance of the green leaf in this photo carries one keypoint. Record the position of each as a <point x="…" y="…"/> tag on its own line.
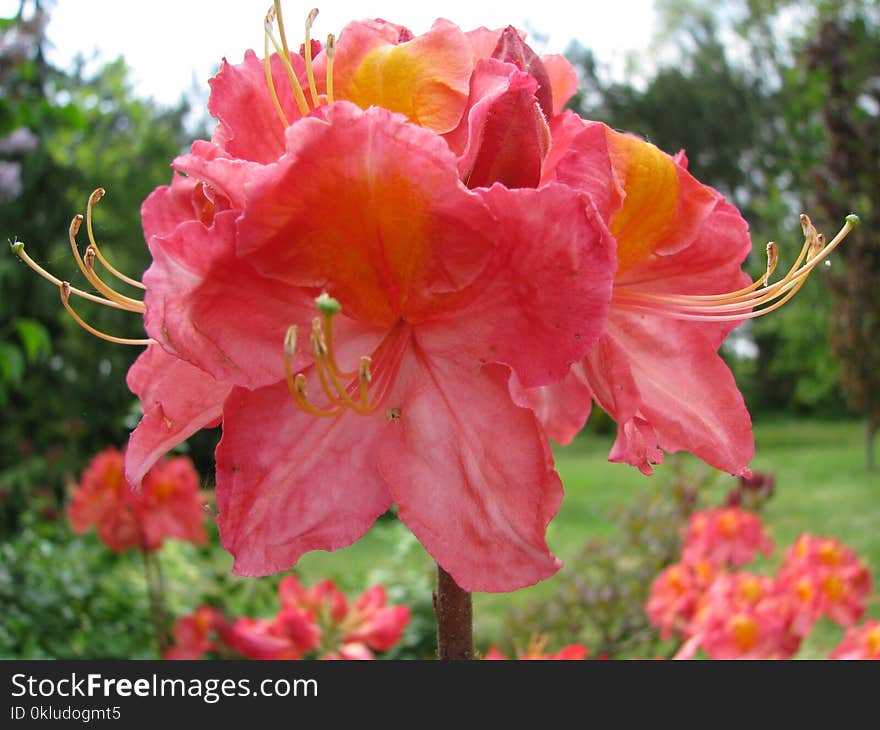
<point x="11" y="364"/>
<point x="34" y="336"/>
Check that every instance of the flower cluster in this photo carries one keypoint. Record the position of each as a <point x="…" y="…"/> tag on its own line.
<point x="393" y="240"/>
<point x="311" y="622"/>
<point x="167" y="504"/>
<point x="741" y="615"/>
<point x="536" y="650"/>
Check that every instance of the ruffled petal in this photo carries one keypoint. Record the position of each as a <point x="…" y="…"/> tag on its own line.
<point x="177" y="399"/>
<point x="250" y="127"/>
<point x="425" y="78"/>
<point x="370" y="209"/>
<point x="562" y="408"/>
<point x="540" y="307"/>
<point x="289" y="482"/>
<point x="504" y="132"/>
<point x="672" y="390"/>
<point x="563" y="79"/>
<point x="213" y="310"/>
<point x="478" y="498"/>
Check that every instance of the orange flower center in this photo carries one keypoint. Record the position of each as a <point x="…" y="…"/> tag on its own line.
<point x="744" y="630"/>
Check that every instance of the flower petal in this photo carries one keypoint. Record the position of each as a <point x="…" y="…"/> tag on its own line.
<point x="250" y="127"/>
<point x="540" y="307"/>
<point x="682" y="388"/>
<point x="371" y="209"/>
<point x="562" y="408"/>
<point x="177" y="399"/>
<point x="425" y="78"/>
<point x="289" y="482"/>
<point x="478" y="498"/>
<point x="212" y="309"/>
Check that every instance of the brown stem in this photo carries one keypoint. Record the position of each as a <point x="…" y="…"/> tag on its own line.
<point x="455" y="621"/>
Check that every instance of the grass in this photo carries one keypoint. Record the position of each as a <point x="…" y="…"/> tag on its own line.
<point x="822" y="487"/>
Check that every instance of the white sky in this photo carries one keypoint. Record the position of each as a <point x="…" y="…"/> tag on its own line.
<point x="171" y="45"/>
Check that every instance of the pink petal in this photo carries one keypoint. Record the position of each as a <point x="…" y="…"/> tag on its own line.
<point x="177" y="398"/>
<point x="506" y="134"/>
<point x="563" y="80"/>
<point x="213" y="310"/>
<point x="470" y="471"/>
<point x="289" y="482"/>
<point x="412" y="236"/>
<point x="562" y="408"/>
<point x="250" y="127"/>
<point x="681" y="387"/>
<point x="540" y="307"/>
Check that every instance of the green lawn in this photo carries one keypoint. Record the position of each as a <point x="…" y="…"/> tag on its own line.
<point x="822" y="487"/>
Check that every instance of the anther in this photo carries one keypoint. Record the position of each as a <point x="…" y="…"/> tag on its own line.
<point x="290" y="340"/>
<point x="307" y="49"/>
<point x="772" y="261"/>
<point x="330" y="52"/>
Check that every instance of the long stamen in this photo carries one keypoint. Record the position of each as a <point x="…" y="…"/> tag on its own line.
<point x="338" y="393"/>
<point x="270" y="82"/>
<point x="87" y="268"/>
<point x="284" y="55"/>
<point x="330" y="52"/>
<point x="743" y="303"/>
<point x="93" y="199"/>
<point x="307" y="48"/>
<point x="296" y="385"/>
<point x="65" y="290"/>
<point x="18" y="250"/>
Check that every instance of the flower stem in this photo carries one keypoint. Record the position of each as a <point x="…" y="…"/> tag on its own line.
<point x="455" y="623"/>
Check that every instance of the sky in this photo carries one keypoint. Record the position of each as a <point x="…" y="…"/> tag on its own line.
<point x="173" y="46"/>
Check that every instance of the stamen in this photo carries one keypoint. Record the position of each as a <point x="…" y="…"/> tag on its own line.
<point x="355" y="393"/>
<point x="296" y="385"/>
<point x="87" y="268"/>
<point x="307" y="48"/>
<point x="18" y="250"/>
<point x="270" y="82"/>
<point x="65" y="289"/>
<point x="772" y="260"/>
<point x="744" y="303"/>
<point x="330" y="52"/>
<point x="93" y="199"/>
<point x="284" y="55"/>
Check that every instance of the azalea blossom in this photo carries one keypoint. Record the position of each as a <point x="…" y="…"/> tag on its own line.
<point x="679" y="289"/>
<point x="675" y="593"/>
<point x="197" y="634"/>
<point x="536" y="651"/>
<point x="325" y="282"/>
<point x="741" y="616"/>
<point x="859" y="642"/>
<point x="825" y="577"/>
<point x="389" y="275"/>
<point x="725" y="536"/>
<point x="320" y="621"/>
<point x="167" y="505"/>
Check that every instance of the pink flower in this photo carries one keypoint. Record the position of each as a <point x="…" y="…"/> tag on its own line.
<point x="167" y="505"/>
<point x="536" y="652"/>
<point x="725" y="535"/>
<point x="741" y="616"/>
<point x="197" y="634"/>
<point x="824" y="577"/>
<point x="656" y="370"/>
<point x="860" y="642"/>
<point x="369" y="624"/>
<point x="675" y="594"/>
<point x="291" y="634"/>
<point x="442" y="297"/>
